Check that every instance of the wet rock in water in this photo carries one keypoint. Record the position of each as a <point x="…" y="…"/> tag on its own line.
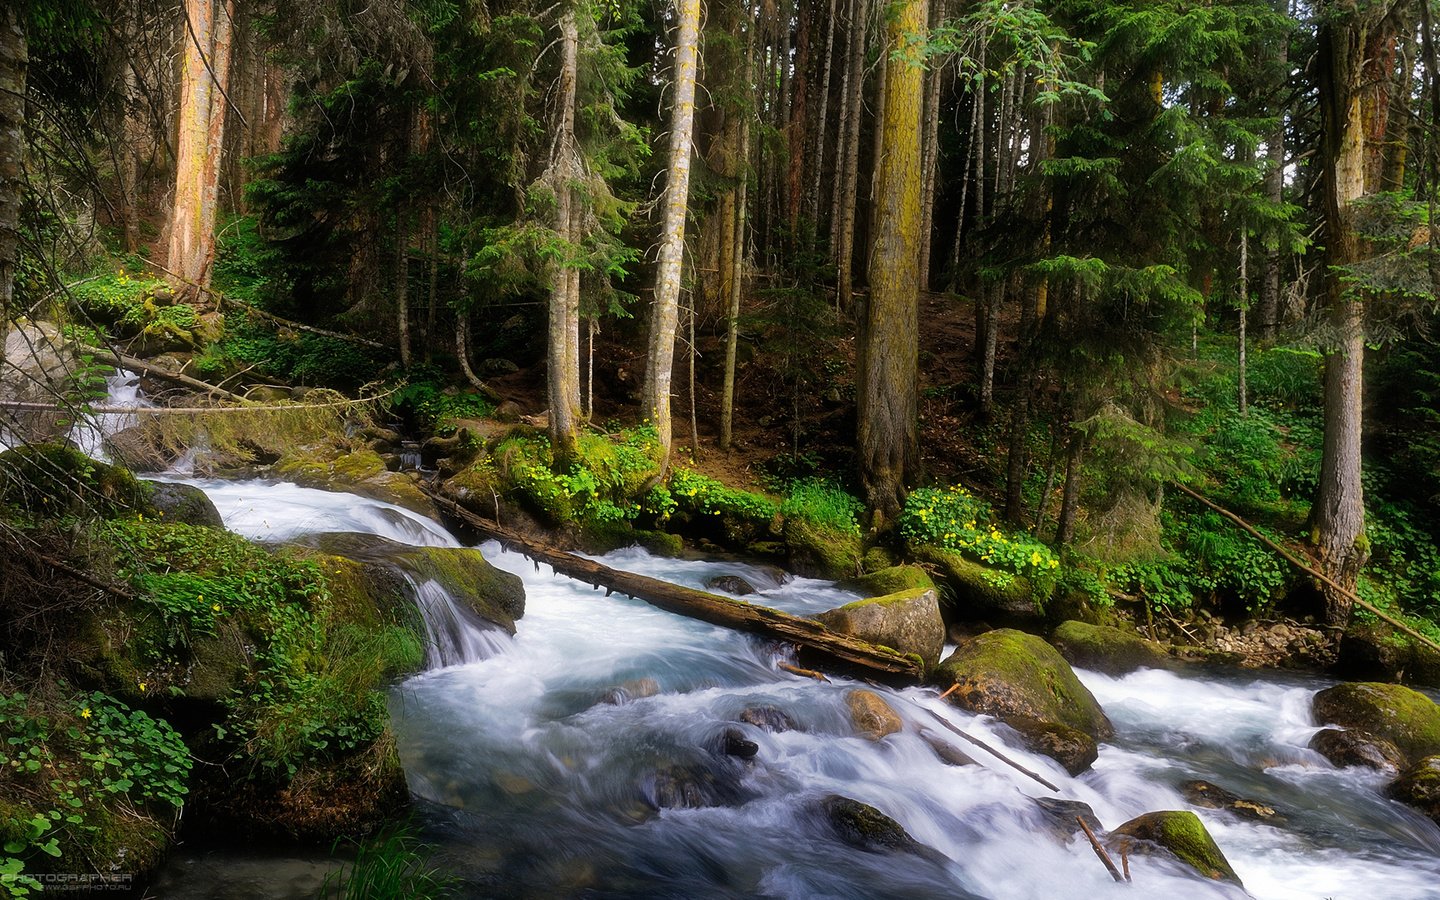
<point x="949" y="754"/>
<point x="733" y="742"/>
<point x="1107" y="649"/>
<point x="690" y="787"/>
<point x="630" y="691"/>
<point x="1353" y="747"/>
<point x="1059" y="817"/>
<point x="1007" y="673"/>
<point x="1420" y="787"/>
<point x="185" y="504"/>
<point x="865" y="827"/>
<point x="1212" y="796"/>
<point x="769" y="718"/>
<point x="908" y="621"/>
<point x="1405" y="718"/>
<point x="872" y="716"/>
<point x="1179" y="834"/>
<point x="1072" y="748"/>
<point x="730" y="584"/>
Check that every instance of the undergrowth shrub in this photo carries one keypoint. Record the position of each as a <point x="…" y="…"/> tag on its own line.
<point x="954" y="519"/>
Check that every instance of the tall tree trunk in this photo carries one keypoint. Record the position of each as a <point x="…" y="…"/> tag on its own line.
<point x="1337" y="515"/>
<point x="930" y="153"/>
<point x="1244" y="315"/>
<point x="204" y="79"/>
<point x="796" y="141"/>
<point x="888" y="401"/>
<point x="1275" y="193"/>
<point x="402" y="284"/>
<point x="1070" y="496"/>
<point x="563" y="353"/>
<point x="821" y="122"/>
<point x="850" y="168"/>
<point x="666" y="310"/>
<point x="14" y="63"/>
<point x="736" y="282"/>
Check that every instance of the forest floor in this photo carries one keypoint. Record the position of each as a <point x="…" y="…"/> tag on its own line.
<point x="817" y="422"/>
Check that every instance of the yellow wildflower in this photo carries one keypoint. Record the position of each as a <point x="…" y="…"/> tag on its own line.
<point x="85" y="713"/>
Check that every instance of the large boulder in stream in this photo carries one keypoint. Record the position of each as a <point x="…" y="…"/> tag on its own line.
<point x="1072" y="748"/>
<point x="908" y="621"/>
<point x="1106" y="649"/>
<point x="1178" y="834"/>
<point x="863" y="826"/>
<point x="1405" y="718"/>
<point x="1352" y="747"/>
<point x="1420" y="787"/>
<point x="1007" y="673"/>
<point x="184" y="503"/>
<point x="872" y="716"/>
<point x="981" y="592"/>
<point x="358" y="470"/>
<point x="490" y="594"/>
<point x="821" y="551"/>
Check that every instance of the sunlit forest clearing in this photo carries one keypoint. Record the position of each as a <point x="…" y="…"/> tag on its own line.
<point x="810" y="448"/>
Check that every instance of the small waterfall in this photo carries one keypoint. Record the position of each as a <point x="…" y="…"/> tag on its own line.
<point x="90" y="434"/>
<point x="410" y="455"/>
<point x="456" y="637"/>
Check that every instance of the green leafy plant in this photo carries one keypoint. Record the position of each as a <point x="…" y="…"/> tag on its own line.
<point x="953" y="519"/>
<point x="823" y="503"/>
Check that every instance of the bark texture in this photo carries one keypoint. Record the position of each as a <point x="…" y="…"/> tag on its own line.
<point x="200" y="143"/>
<point x="665" y="314"/>
<point x="1337" y="515"/>
<point x="14" y="61"/>
<point x="563" y="377"/>
<point x="887" y="397"/>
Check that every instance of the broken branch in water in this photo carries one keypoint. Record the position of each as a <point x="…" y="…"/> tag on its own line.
<point x="1101" y="852"/>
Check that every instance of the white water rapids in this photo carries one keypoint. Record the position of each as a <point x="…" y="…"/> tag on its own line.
<point x="537" y="783"/>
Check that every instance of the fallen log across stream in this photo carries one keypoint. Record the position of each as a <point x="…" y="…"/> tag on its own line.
<point x="810" y="637"/>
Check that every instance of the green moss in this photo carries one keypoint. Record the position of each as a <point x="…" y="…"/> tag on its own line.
<point x="50" y="481"/>
<point x="1182" y="833"/>
<point x="1406" y="718"/>
<point x="889" y="581"/>
<point x="977" y="591"/>
<point x="1107" y="650"/>
<point x="1011" y="673"/>
<point x="493" y="595"/>
<point x="821" y="551"/>
<point x="877" y="558"/>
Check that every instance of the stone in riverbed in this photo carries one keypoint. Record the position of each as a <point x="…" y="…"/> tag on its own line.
<point x="768" y="718"/>
<point x="1006" y="673"/>
<point x="1353" y="747"/>
<point x="1177" y="833"/>
<point x="1405" y="718"/>
<point x="865" y="827"/>
<point x="1212" y="796"/>
<point x="1072" y="748"/>
<point x="1420" y="787"/>
<point x="1059" y="817"/>
<point x="908" y="621"/>
<point x="872" y="716"/>
<point x="730" y="584"/>
<point x="1107" y="649"/>
<point x="185" y="504"/>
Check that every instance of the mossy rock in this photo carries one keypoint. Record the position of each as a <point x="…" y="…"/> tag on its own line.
<point x="890" y="580"/>
<point x="1405" y="718"/>
<point x="1380" y="653"/>
<point x="908" y="621"/>
<point x="495" y="596"/>
<point x="818" y="551"/>
<point x="1007" y="673"/>
<point x="980" y="592"/>
<point x="1420" y="787"/>
<point x="1212" y="796"/>
<point x="603" y="537"/>
<point x="1106" y="649"/>
<point x="360" y="471"/>
<point x="1179" y="833"/>
<point x="218" y="664"/>
<point x="863" y="826"/>
<point x="1072" y="748"/>
<point x="56" y="480"/>
<point x="877" y="558"/>
<point x="184" y="503"/>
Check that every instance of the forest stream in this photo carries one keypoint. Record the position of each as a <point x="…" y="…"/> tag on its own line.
<point x="582" y="757"/>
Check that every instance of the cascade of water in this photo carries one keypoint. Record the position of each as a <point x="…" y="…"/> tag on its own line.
<point x="455" y="638"/>
<point x="91" y="432"/>
<point x="599" y="729"/>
